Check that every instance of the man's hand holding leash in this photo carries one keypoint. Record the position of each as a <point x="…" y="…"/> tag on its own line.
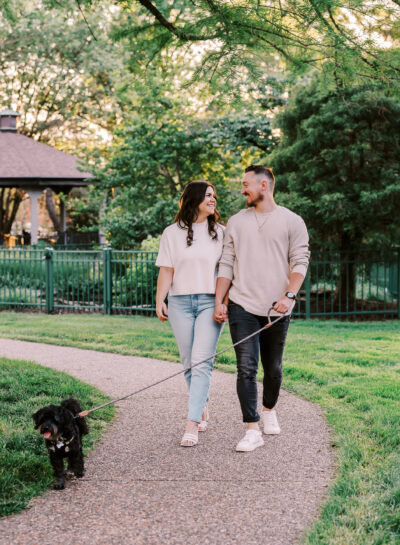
<point x="284" y="305"/>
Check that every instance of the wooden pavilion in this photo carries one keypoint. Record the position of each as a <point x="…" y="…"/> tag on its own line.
<point x="34" y="167"/>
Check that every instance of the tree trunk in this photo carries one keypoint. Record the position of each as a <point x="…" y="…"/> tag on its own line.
<point x="51" y="209"/>
<point x="344" y="300"/>
<point x="10" y="199"/>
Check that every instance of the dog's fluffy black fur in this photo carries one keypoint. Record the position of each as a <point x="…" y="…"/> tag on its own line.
<point x="63" y="436"/>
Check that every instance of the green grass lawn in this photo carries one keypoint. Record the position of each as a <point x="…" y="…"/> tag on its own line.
<point x="25" y="470"/>
<point x="352" y="370"/>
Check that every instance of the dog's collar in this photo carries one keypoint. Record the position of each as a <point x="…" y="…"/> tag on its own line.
<point x="67" y="442"/>
<point x="61" y="442"/>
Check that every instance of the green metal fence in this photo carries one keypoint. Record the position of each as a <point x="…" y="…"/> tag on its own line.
<point x="112" y="281"/>
<point x="78" y="281"/>
<point x="22" y="279"/>
<point x="359" y="286"/>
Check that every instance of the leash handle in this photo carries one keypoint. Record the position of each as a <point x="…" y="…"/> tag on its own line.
<point x="270" y="323"/>
<point x="269" y="313"/>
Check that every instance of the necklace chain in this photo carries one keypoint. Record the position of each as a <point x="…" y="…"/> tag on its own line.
<point x="263" y="223"/>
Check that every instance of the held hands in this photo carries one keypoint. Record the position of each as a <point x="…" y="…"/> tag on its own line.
<point x="221" y="313"/>
<point x="284" y="305"/>
<point x="162" y="312"/>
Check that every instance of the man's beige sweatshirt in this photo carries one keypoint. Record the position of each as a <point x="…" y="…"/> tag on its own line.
<point x="259" y="262"/>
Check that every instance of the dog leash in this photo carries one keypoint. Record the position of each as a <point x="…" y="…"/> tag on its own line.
<point x="269" y="324"/>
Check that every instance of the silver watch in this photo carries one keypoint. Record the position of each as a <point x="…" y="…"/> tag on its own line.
<point x="290" y="295"/>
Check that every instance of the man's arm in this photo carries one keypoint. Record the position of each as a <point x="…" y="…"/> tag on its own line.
<point x="285" y="303"/>
<point x="221" y="299"/>
<point x="299" y="256"/>
<point x="225" y="275"/>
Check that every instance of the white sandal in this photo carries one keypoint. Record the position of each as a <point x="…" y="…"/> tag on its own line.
<point x="189" y="438"/>
<point x="203" y="423"/>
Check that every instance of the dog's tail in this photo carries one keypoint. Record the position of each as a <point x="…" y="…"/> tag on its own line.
<point x="74" y="407"/>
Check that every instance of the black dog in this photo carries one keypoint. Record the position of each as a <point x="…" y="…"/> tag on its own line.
<point x="63" y="435"/>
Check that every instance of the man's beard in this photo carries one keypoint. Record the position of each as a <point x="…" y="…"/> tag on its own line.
<point x="255" y="201"/>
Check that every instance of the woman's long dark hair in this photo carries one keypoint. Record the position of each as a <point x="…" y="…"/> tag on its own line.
<point x="194" y="194"/>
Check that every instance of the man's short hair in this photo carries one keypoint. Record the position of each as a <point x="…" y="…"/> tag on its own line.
<point x="265" y="171"/>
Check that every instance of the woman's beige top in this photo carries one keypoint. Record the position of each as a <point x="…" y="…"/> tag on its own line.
<point x="196" y="266"/>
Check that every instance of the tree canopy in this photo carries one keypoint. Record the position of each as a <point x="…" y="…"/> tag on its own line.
<point x="188" y="90"/>
<point x="339" y="165"/>
<point x="232" y="42"/>
<point x="62" y="82"/>
<point x="154" y="159"/>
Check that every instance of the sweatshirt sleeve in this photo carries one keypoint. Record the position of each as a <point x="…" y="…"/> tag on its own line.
<point x="225" y="267"/>
<point x="164" y="257"/>
<point x="299" y="254"/>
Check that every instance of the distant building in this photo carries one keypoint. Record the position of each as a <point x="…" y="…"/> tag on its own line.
<point x="33" y="167"/>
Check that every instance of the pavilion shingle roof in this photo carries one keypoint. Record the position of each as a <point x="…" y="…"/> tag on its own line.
<point x="23" y="158"/>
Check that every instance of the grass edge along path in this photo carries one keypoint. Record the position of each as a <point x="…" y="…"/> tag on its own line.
<point x="25" y="387"/>
<point x="352" y="370"/>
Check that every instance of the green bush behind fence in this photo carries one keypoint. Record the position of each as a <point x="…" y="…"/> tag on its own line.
<point x="114" y="281"/>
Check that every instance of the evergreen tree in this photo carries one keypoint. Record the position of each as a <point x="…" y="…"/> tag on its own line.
<point x="338" y="166"/>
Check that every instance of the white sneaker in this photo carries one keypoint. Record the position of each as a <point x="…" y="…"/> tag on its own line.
<point x="251" y="440"/>
<point x="270" y="422"/>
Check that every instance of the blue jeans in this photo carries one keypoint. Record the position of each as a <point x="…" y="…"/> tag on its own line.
<point x="197" y="334"/>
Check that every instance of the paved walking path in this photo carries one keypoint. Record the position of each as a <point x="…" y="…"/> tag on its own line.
<point x="140" y="487"/>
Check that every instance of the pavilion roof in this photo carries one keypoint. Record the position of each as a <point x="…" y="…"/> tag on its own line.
<point x="26" y="162"/>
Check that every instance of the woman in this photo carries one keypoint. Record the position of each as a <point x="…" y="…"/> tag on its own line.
<point x="188" y="257"/>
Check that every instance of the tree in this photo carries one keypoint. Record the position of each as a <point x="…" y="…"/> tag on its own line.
<point x="83" y="206"/>
<point x="10" y="200"/>
<point x="62" y="83"/>
<point x="154" y="160"/>
<point x="338" y="166"/>
<point x="63" y="86"/>
<point x="241" y="40"/>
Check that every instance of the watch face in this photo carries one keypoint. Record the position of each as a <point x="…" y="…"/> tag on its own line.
<point x="290" y="294"/>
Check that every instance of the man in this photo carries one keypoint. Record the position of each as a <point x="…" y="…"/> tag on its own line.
<point x="264" y="261"/>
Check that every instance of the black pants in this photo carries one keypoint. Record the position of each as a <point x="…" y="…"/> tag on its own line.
<point x="270" y="343"/>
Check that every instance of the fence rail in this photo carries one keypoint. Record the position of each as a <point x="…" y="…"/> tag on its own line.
<point x="113" y="281"/>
